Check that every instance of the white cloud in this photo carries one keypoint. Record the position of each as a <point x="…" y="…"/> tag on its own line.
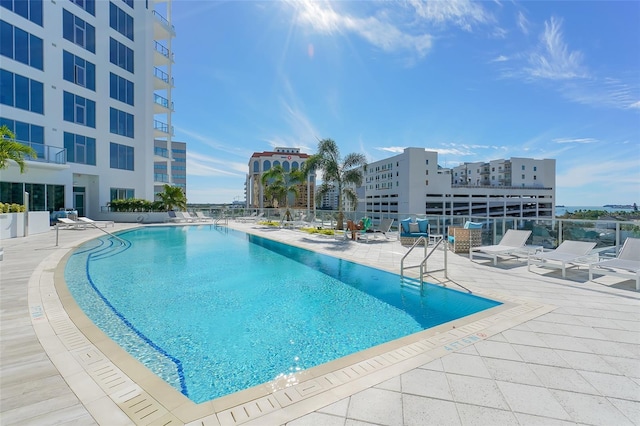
<point x="635" y="105"/>
<point x="610" y="92"/>
<point x="523" y="23"/>
<point x="385" y="35"/>
<point x="553" y="60"/>
<point x="575" y="140"/>
<point x="621" y="172"/>
<point x="500" y="58"/>
<point x="462" y="13"/>
<point x="392" y="149"/>
<point x="204" y="165"/>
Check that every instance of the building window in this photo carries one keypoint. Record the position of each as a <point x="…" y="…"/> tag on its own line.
<point x="20" y="45"/>
<point x="88" y="5"/>
<point x="78" y="71"/>
<point x="28" y="9"/>
<point x="80" y="149"/>
<point x="120" y="55"/>
<point x="523" y="167"/>
<point x="522" y="176"/>
<point x="21" y="92"/>
<point x="79" y="110"/>
<point x="535" y="168"/>
<point x="120" y="21"/>
<point x="427" y="162"/>
<point x="120" y="156"/>
<point x="129" y="3"/>
<point x="121" y="89"/>
<point x="26" y="133"/>
<point x="535" y="177"/>
<point x="121" y="123"/>
<point x="122" y="193"/>
<point x="79" y="32"/>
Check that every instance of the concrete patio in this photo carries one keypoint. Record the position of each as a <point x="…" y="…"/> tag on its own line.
<point x="574" y="358"/>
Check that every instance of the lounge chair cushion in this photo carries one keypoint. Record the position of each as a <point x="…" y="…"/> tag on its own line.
<point x="472" y="225"/>
<point x="414" y="228"/>
<point x="423" y="225"/>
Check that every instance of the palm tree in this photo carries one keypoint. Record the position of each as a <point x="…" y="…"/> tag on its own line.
<point x="10" y="149"/>
<point x="279" y="184"/>
<point x="173" y="196"/>
<point x="340" y="174"/>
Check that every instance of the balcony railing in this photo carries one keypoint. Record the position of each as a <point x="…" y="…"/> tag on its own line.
<point x="160" y="48"/>
<point x="163" y="127"/>
<point x="162" y="101"/>
<point x="158" y="73"/>
<point x="164" y="21"/>
<point x="46" y="153"/>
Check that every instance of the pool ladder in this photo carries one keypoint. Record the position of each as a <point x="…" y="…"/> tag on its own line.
<point x="423" y="263"/>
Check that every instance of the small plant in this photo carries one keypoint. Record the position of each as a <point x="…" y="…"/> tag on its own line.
<point x="318" y="231"/>
<point x="269" y="223"/>
<point x="12" y="208"/>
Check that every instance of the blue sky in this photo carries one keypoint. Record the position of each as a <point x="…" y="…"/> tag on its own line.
<point x="475" y="81"/>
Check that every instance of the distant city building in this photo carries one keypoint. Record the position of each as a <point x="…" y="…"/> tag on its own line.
<point x="414" y="183"/>
<point x="88" y="85"/>
<point x="290" y="159"/>
<point x="170" y="166"/>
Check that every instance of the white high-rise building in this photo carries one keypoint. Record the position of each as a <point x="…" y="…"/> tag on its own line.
<point x="87" y="84"/>
<point x="414" y="183"/>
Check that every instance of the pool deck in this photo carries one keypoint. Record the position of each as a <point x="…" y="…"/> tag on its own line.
<point x="560" y="351"/>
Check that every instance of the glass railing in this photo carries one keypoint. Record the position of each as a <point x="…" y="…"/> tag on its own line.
<point x="160" y="48"/>
<point x="46" y="153"/>
<point x="162" y="101"/>
<point x="546" y="232"/>
<point x="164" y="21"/>
<point x="158" y="73"/>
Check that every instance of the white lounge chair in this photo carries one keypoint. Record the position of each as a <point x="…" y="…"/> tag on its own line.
<point x="174" y="217"/>
<point x="71" y="224"/>
<point x="513" y="241"/>
<point x="96" y="223"/>
<point x="567" y="253"/>
<point x="186" y="216"/>
<point x="384" y="227"/>
<point x="625" y="265"/>
<point x="247" y="218"/>
<point x="203" y="218"/>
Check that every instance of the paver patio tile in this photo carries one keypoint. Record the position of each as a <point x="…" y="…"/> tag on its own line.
<point x="337" y="408"/>
<point x="544" y="356"/>
<point x="511" y="371"/>
<point x="523" y="338"/>
<point x="436" y="365"/>
<point x="318" y="419"/>
<point x="587" y="362"/>
<point x="628" y="366"/>
<point x="563" y="378"/>
<point x="631" y="409"/>
<point x="590" y="409"/>
<point x="500" y="350"/>
<point x="474" y="415"/>
<point x="532" y="400"/>
<point x="421" y="411"/>
<point x="426" y="383"/>
<point x="393" y="384"/>
<point x="467" y="365"/>
<point x="564" y="342"/>
<point x="376" y="406"/>
<point x="476" y="391"/>
<point x="611" y="385"/>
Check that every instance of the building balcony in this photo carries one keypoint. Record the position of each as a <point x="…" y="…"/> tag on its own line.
<point x="161" y="129"/>
<point x="161" y="178"/>
<point x="46" y="154"/>
<point x="161" y="105"/>
<point x="162" y="81"/>
<point x="162" y="28"/>
<point x="161" y="55"/>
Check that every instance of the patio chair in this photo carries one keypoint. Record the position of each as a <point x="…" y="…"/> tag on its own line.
<point x="384" y="227"/>
<point x="187" y="216"/>
<point x="174" y="217"/>
<point x="96" y="223"/>
<point x="625" y="265"/>
<point x="247" y="218"/>
<point x="462" y="239"/>
<point x="513" y="241"/>
<point x="203" y="218"/>
<point x="567" y="253"/>
<point x="71" y="224"/>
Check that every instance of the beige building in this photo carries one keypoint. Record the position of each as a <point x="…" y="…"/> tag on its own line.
<point x="290" y="159"/>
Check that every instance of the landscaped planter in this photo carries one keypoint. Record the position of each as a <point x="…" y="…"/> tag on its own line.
<point x="133" y="217"/>
<point x="12" y="225"/>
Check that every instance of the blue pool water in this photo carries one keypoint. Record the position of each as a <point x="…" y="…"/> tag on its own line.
<point x="214" y="311"/>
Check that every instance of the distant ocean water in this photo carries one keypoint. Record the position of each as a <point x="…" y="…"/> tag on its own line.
<point x="562" y="210"/>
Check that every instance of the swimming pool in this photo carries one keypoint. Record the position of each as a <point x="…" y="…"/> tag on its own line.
<point x="213" y="311"/>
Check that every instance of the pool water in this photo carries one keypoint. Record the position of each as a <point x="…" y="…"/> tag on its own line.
<point x="213" y="311"/>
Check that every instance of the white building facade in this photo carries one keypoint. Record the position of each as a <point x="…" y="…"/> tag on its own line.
<point x="87" y="84"/>
<point x="414" y="183"/>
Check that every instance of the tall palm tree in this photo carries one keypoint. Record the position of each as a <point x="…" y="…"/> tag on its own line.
<point x="279" y="184"/>
<point x="339" y="173"/>
<point x="10" y="149"/>
<point x="173" y="196"/>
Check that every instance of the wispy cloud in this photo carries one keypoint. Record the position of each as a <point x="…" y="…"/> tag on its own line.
<point x="620" y="172"/>
<point x="383" y="34"/>
<point x="575" y="140"/>
<point x="213" y="143"/>
<point x="610" y="93"/>
<point x="462" y="13"/>
<point x="392" y="149"/>
<point x="522" y="23"/>
<point x="553" y="59"/>
<point x="500" y="58"/>
<point x="205" y="165"/>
